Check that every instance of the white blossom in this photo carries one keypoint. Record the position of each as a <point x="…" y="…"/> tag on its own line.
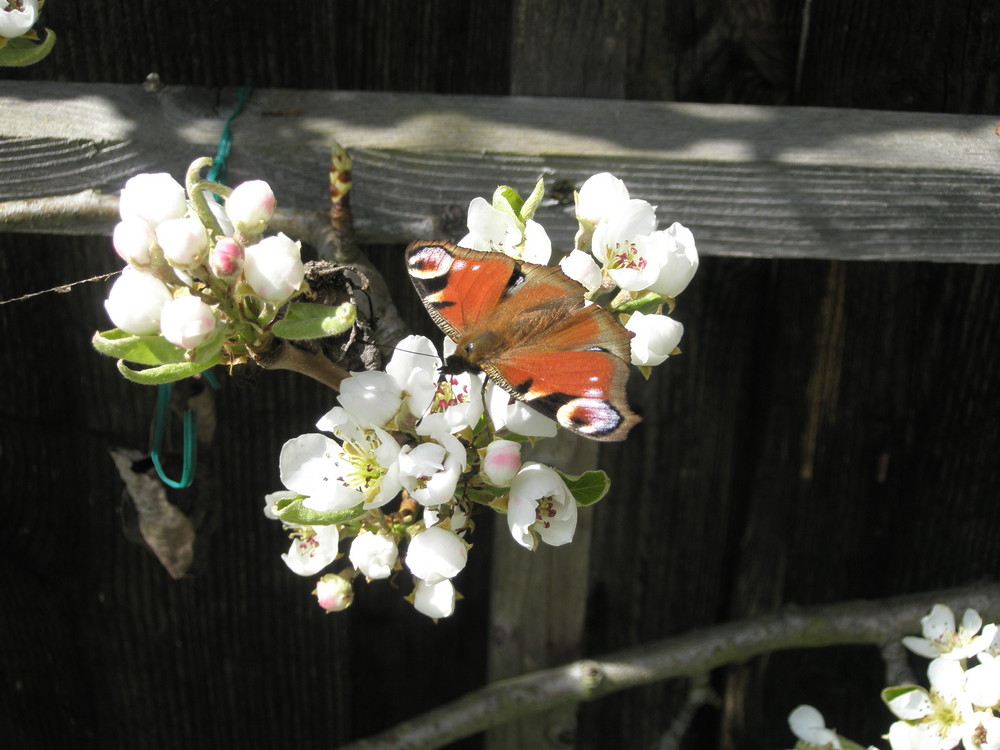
<point x="313" y="548"/>
<point x="656" y="336"/>
<point x="678" y="259"/>
<point x="941" y="638"/>
<point x="17" y="17"/>
<point x="540" y="505"/>
<point x="436" y="554"/>
<point x="334" y="477"/>
<point x="600" y="197"/>
<point x="631" y="264"/>
<point x="493" y="230"/>
<point x="808" y="725"/>
<point x="373" y="554"/>
<point x="430" y="471"/>
<point x="516" y="416"/>
<point x="580" y="266"/>
<point x="371" y="398"/>
<point x="434" y="599"/>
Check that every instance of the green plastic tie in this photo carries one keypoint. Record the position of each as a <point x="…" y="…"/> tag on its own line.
<point x="217" y="173"/>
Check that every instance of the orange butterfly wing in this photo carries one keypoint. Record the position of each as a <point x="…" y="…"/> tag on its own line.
<point x="527" y="327"/>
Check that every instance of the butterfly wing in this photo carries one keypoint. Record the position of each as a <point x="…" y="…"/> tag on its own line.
<point x="567" y="359"/>
<point x="527" y="327"/>
<point x="459" y="287"/>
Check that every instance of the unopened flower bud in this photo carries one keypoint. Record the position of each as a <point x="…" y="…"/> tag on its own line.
<point x="656" y="336"/>
<point x="184" y="242"/>
<point x="274" y="269"/>
<point x="434" y="599"/>
<point x="436" y="554"/>
<point x="134" y="240"/>
<point x="333" y="593"/>
<point x="186" y="322"/>
<point x="373" y="554"/>
<point x="250" y="207"/>
<point x="226" y="258"/>
<point x="153" y="197"/>
<point x="501" y="462"/>
<point x="135" y="301"/>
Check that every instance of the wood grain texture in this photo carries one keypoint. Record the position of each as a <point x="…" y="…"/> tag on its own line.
<point x="750" y="181"/>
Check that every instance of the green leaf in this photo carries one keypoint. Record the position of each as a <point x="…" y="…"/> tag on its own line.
<point x="291" y="510"/>
<point x="308" y="320"/>
<point x="647" y="304"/>
<point x="23" y="51"/>
<point x="167" y="373"/>
<point x="143" y="350"/>
<point x="587" y="488"/>
<point x="847" y="744"/>
<point x="534" y="200"/>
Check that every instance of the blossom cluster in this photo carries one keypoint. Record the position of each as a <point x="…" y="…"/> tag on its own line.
<point x="202" y="284"/>
<point x="20" y="42"/>
<point x="450" y="443"/>
<point x="961" y="707"/>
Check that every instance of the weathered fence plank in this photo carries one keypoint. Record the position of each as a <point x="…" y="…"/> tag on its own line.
<point x="751" y="181"/>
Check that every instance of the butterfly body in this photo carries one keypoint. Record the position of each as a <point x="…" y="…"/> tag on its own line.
<point x="528" y="328"/>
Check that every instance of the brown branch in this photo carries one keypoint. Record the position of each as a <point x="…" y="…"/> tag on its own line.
<point x="283" y="355"/>
<point x="688" y="655"/>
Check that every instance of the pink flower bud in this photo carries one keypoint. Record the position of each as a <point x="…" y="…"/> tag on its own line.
<point x="134" y="240"/>
<point x="274" y="269"/>
<point x="501" y="462"/>
<point x="184" y="242"/>
<point x="250" y="206"/>
<point x="186" y="322"/>
<point x="135" y="301"/>
<point x="153" y="197"/>
<point x="226" y="258"/>
<point x="333" y="593"/>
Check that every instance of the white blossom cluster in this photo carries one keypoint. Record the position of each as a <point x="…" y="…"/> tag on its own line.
<point x="17" y="17"/>
<point x="183" y="279"/>
<point x="432" y="437"/>
<point x="961" y="706"/>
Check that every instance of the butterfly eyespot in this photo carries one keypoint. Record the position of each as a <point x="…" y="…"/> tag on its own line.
<point x="590" y="416"/>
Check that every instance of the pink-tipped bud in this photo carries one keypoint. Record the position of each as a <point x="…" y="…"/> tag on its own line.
<point x="226" y="258"/>
<point x="501" y="462"/>
<point x="333" y="593"/>
<point x="250" y="207"/>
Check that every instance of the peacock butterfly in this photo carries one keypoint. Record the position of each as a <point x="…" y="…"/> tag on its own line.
<point x="528" y="328"/>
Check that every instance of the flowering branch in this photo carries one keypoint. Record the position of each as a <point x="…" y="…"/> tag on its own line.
<point x="687" y="655"/>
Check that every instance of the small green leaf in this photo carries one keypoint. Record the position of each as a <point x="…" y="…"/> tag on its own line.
<point x="308" y="320"/>
<point x="167" y="373"/>
<point x="507" y="199"/>
<point x="291" y="510"/>
<point x="647" y="304"/>
<point x="534" y="200"/>
<point x="587" y="488"/>
<point x="23" y="51"/>
<point x="143" y="350"/>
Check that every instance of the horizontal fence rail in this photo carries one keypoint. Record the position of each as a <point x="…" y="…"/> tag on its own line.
<point x="784" y="182"/>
